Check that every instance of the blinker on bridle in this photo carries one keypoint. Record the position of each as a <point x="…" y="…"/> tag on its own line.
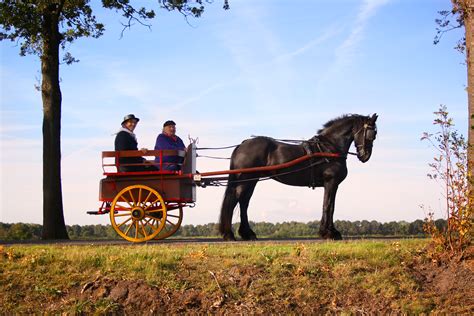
<point x="370" y="133"/>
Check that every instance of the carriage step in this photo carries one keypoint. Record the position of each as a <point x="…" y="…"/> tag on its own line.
<point x="97" y="212"/>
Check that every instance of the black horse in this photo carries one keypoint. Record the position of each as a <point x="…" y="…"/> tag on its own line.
<point x="336" y="137"/>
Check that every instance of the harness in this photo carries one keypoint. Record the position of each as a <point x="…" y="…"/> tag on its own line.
<point x="311" y="146"/>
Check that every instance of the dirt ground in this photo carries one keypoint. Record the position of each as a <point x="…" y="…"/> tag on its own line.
<point x="450" y="285"/>
<point x="450" y="288"/>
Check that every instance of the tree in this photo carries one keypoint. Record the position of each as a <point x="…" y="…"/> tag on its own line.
<point x="466" y="12"/>
<point x="463" y="14"/>
<point x="416" y="228"/>
<point x="44" y="27"/>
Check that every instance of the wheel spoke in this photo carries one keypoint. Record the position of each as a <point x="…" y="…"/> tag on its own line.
<point x="123" y="198"/>
<point x="147" y="222"/>
<point x="151" y="222"/>
<point x="172" y="222"/>
<point x="146" y="200"/>
<point x="156" y="208"/>
<point x="133" y="199"/>
<point x="158" y="222"/>
<point x="153" y="203"/>
<point x="119" y="215"/>
<point x="139" y="195"/>
<point x="128" y="229"/>
<point x="145" y="207"/>
<point x="124" y="222"/>
<point x="143" y="229"/>
<point x="136" y="230"/>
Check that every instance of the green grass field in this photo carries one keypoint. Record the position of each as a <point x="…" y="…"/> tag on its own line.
<point x="348" y="276"/>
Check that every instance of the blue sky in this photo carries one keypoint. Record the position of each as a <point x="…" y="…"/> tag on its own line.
<point x="277" y="68"/>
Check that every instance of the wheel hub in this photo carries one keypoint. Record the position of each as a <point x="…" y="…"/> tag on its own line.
<point x="138" y="213"/>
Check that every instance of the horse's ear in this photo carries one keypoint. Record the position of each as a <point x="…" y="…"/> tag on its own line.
<point x="374" y="117"/>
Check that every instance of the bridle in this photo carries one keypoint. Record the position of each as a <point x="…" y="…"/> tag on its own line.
<point x="370" y="133"/>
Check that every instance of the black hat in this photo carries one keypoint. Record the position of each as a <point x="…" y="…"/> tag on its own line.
<point x="167" y="123"/>
<point x="130" y="117"/>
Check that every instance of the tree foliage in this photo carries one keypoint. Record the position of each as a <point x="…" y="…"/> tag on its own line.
<point x="22" y="20"/>
<point x="20" y="231"/>
<point x="452" y="19"/>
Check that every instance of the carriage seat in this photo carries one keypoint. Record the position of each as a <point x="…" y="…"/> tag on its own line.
<point x="111" y="162"/>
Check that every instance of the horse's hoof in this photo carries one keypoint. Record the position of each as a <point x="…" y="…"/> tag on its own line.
<point x="251" y="237"/>
<point x="324" y="236"/>
<point x="336" y="235"/>
<point x="248" y="235"/>
<point x="228" y="237"/>
<point x="330" y="234"/>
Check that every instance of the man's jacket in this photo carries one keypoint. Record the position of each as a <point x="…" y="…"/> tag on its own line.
<point x="125" y="141"/>
<point x="174" y="143"/>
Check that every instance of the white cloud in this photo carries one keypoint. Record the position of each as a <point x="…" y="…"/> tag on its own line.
<point x="344" y="54"/>
<point x="325" y="36"/>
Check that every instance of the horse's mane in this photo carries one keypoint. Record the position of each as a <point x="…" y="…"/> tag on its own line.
<point x="339" y="121"/>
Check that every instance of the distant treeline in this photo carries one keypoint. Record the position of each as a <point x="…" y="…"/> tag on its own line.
<point x="20" y="231"/>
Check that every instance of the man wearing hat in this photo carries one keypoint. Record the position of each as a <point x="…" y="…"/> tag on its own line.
<point x="126" y="140"/>
<point x="169" y="140"/>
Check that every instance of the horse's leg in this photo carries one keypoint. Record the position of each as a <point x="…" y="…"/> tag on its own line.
<point x="244" y="199"/>
<point x="227" y="210"/>
<point x="327" y="229"/>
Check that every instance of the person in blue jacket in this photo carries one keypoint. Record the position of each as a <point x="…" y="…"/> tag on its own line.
<point x="169" y="140"/>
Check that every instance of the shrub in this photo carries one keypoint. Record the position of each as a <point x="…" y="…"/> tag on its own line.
<point x="450" y="168"/>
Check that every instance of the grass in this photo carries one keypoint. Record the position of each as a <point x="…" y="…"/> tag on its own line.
<point x="349" y="276"/>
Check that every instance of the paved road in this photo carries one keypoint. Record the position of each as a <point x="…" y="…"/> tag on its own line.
<point x="184" y="241"/>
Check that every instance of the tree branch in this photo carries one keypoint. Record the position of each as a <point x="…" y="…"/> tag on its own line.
<point x="129" y="24"/>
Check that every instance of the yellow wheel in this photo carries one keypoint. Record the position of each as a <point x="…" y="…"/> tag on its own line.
<point x="138" y="213"/>
<point x="174" y="217"/>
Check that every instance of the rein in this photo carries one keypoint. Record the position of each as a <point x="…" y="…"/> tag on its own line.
<point x="291" y="141"/>
<point x="212" y="148"/>
<point x="299" y="142"/>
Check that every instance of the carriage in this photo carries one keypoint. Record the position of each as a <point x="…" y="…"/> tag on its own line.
<point x="146" y="205"/>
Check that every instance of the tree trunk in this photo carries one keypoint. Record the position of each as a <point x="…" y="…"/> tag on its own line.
<point x="53" y="218"/>
<point x="469" y="26"/>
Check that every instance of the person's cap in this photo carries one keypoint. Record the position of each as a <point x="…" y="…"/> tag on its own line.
<point x="168" y="123"/>
<point x="130" y="117"/>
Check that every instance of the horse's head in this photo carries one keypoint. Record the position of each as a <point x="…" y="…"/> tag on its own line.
<point x="364" y="133"/>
